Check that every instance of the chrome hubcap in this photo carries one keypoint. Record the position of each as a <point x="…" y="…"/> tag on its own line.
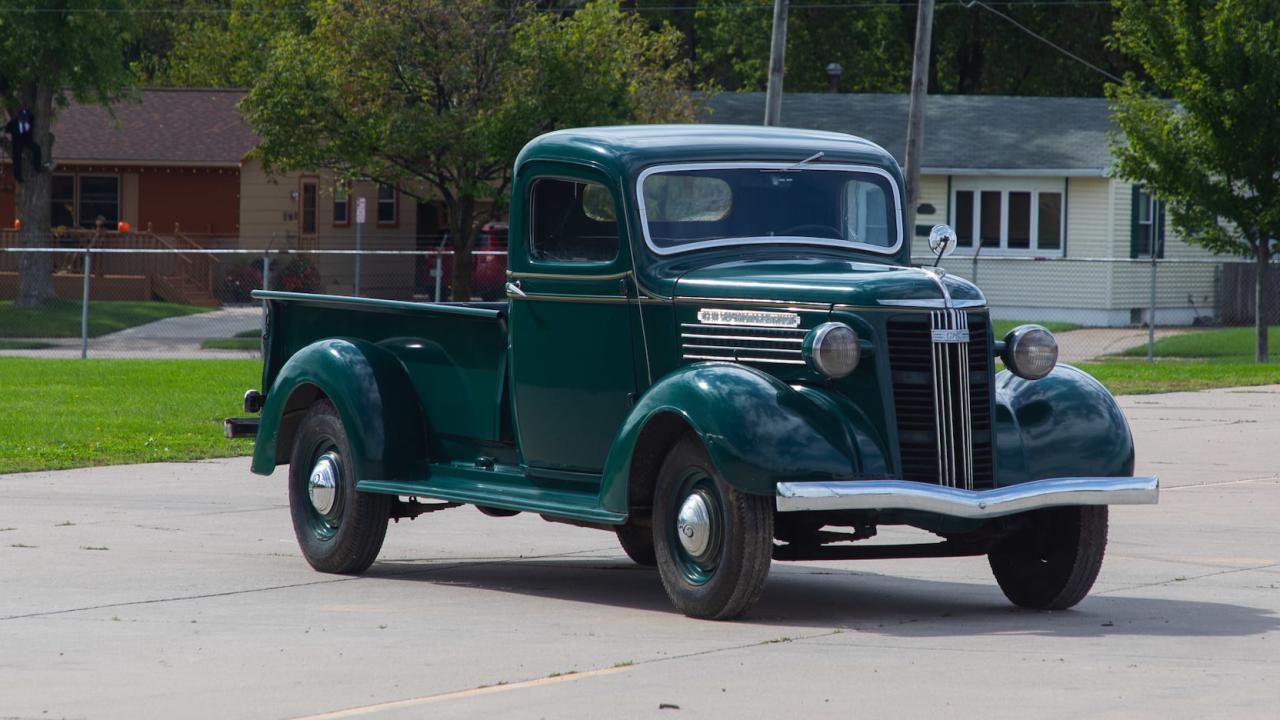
<point x="693" y="525"/>
<point x="323" y="486"/>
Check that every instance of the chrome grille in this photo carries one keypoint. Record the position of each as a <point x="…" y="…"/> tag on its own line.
<point x="739" y="343"/>
<point x="942" y="395"/>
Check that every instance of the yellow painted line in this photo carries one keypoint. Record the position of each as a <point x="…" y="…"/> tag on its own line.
<point x="459" y="694"/>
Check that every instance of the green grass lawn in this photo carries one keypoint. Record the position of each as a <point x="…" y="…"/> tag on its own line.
<point x="1236" y="343"/>
<point x="1002" y="327"/>
<point x="247" y="340"/>
<point x="61" y="318"/>
<point x="1138" y="377"/>
<point x="75" y="413"/>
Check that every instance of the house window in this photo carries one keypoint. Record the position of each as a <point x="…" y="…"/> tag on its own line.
<point x="62" y="211"/>
<point x="1013" y="218"/>
<point x="1147" y="229"/>
<point x="341" y="205"/>
<point x="387" y="205"/>
<point x="99" y="200"/>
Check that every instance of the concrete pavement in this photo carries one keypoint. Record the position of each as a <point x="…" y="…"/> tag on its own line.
<point x="178" y="591"/>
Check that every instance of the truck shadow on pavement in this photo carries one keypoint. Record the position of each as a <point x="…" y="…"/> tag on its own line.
<point x="826" y="597"/>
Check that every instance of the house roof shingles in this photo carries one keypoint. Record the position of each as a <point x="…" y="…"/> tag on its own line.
<point x="963" y="133"/>
<point x="167" y="127"/>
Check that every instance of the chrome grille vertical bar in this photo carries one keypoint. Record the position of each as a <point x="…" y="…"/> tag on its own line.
<point x="938" y="403"/>
<point x="966" y="416"/>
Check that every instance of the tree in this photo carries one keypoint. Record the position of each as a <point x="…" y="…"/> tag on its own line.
<point x="219" y="43"/>
<point x="435" y="97"/>
<point x="52" y="51"/>
<point x="1210" y="147"/>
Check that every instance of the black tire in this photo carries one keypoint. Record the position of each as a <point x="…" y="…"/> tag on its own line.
<point x="1052" y="562"/>
<point x="637" y="543"/>
<point x="724" y="579"/>
<point x="347" y="538"/>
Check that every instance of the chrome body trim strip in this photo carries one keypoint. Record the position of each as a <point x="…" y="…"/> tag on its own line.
<point x="931" y="304"/>
<point x="555" y="276"/>
<point x="784" y="304"/>
<point x="785" y="351"/>
<point x="697" y="336"/>
<point x="973" y="504"/>
<point x="774" y="361"/>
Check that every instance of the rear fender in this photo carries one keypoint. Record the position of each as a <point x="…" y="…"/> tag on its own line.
<point x="757" y="430"/>
<point x="373" y="395"/>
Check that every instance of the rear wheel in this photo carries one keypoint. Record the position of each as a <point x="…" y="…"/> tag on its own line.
<point x="637" y="543"/>
<point x="1052" y="562"/>
<point x="339" y="529"/>
<point x="713" y="543"/>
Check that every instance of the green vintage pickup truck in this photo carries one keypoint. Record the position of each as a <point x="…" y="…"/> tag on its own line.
<point x="714" y="345"/>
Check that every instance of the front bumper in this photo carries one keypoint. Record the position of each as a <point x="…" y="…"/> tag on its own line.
<point x="975" y="504"/>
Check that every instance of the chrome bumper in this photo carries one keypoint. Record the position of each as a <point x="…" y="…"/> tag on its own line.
<point x="977" y="504"/>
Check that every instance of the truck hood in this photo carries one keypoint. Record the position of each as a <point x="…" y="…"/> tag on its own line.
<point x="821" y="280"/>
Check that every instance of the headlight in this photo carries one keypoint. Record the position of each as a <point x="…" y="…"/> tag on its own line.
<point x="1030" y="351"/>
<point x="832" y="349"/>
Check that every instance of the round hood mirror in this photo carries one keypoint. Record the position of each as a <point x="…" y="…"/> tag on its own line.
<point x="942" y="240"/>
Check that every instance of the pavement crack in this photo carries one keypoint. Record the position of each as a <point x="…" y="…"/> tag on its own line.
<point x="1185" y="579"/>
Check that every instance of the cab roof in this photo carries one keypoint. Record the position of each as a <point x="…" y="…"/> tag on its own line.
<point x="627" y="148"/>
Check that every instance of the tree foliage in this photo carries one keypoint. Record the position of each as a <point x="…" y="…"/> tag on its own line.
<point x="435" y="97"/>
<point x="219" y="43"/>
<point x="1204" y="134"/>
<point x="52" y="51"/>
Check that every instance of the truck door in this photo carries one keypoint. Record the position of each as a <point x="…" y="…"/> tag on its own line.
<point x="572" y="362"/>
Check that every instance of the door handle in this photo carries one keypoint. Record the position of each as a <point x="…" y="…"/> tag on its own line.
<point x="513" y="288"/>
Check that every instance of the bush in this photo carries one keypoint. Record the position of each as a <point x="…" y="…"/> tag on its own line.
<point x="241" y="279"/>
<point x="298" y="275"/>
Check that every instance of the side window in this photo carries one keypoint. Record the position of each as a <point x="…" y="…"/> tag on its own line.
<point x="572" y="221"/>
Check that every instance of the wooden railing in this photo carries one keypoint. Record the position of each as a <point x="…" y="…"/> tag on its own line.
<point x="183" y="275"/>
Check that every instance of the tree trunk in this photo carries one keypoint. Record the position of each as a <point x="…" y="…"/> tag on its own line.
<point x="35" y="286"/>
<point x="462" y="214"/>
<point x="1262" y="295"/>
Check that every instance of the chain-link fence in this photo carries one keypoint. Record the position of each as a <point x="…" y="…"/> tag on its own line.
<point x="195" y="302"/>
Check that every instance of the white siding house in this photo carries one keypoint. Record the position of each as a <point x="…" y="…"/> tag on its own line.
<point x="1024" y="181"/>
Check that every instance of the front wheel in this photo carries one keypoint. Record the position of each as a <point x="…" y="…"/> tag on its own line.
<point x="713" y="543"/>
<point x="1052" y="561"/>
<point x="339" y="529"/>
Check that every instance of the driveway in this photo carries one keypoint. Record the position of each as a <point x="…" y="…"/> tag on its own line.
<point x="177" y="591"/>
<point x="1088" y="344"/>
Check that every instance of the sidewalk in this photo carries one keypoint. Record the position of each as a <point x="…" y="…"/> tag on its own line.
<point x="1091" y="344"/>
<point x="174" y="338"/>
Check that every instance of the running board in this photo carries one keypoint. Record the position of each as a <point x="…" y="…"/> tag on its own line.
<point x="879" y="552"/>
<point x="497" y="489"/>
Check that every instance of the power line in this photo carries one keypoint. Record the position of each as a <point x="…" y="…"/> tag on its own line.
<point x="970" y="3"/>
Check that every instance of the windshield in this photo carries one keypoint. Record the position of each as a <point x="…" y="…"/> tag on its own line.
<point x="689" y="207"/>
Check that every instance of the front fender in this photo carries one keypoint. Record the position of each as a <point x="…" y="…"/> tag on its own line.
<point x="1063" y="425"/>
<point x="372" y="393"/>
<point x="757" y="430"/>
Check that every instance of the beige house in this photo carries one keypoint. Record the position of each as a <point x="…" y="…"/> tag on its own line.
<point x="1025" y="183"/>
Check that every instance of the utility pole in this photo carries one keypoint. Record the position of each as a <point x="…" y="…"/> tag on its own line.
<point x="777" y="58"/>
<point x="915" y="114"/>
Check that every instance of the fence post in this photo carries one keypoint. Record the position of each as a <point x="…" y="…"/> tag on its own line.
<point x="439" y="279"/>
<point x="84" y="308"/>
<point x="359" y="227"/>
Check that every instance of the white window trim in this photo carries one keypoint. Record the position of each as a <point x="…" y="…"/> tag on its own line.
<point x="1004" y="187"/>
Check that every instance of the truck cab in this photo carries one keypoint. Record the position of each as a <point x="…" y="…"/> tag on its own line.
<point x="713" y="343"/>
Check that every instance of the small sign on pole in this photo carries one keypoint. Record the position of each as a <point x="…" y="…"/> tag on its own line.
<point x="360" y="205"/>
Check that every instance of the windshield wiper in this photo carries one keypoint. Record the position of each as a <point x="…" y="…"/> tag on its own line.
<point x="797" y="166"/>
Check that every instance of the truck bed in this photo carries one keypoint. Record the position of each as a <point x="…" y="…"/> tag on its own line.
<point x="454" y="353"/>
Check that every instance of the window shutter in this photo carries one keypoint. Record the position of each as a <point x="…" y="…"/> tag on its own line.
<point x="1159" y="222"/>
<point x="1135" y="230"/>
